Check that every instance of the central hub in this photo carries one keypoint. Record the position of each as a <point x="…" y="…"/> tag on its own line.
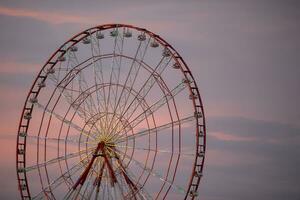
<point x="106" y="144"/>
<point x="107" y="140"/>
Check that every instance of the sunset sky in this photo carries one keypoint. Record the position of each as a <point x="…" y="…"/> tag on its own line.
<point x="244" y="55"/>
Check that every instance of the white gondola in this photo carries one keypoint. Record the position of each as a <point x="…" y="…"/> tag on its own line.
<point x="201" y="134"/>
<point x="51" y="71"/>
<point x="27" y="116"/>
<point x="114" y="33"/>
<point x="21" y="151"/>
<point x="86" y="40"/>
<point x="23" y="187"/>
<point x="193" y="96"/>
<point x="176" y="65"/>
<point x="198" y="114"/>
<point x="61" y="58"/>
<point x="21" y="170"/>
<point x="193" y="193"/>
<point x="166" y="52"/>
<point x="127" y="34"/>
<point x="22" y="134"/>
<point x="154" y="44"/>
<point x="201" y="154"/>
<point x="186" y="80"/>
<point x="141" y="37"/>
<point x="99" y="35"/>
<point x="198" y="174"/>
<point x="42" y="84"/>
<point x="33" y="100"/>
<point x="73" y="48"/>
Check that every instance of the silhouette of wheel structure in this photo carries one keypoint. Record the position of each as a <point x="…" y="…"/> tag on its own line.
<point x="115" y="113"/>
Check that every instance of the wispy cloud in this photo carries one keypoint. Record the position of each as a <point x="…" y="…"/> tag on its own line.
<point x="118" y="15"/>
<point x="231" y="137"/>
<point x="249" y="153"/>
<point x="245" y="129"/>
<point x="227" y="158"/>
<point x="46" y="16"/>
<point x="12" y="67"/>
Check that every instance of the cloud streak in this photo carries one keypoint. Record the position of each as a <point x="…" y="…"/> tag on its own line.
<point x="231" y="137"/>
<point x="255" y="154"/>
<point x="244" y="129"/>
<point x="13" y="67"/>
<point x="46" y="16"/>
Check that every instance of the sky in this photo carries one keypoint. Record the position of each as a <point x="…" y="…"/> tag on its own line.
<point x="243" y="54"/>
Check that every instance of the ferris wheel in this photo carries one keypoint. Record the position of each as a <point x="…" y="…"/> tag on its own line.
<point x="115" y="113"/>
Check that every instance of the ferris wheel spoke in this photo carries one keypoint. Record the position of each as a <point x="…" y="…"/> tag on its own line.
<point x="87" y="109"/>
<point x="153" y="108"/>
<point x="122" y="188"/>
<point x="131" y="77"/>
<point x="98" y="71"/>
<point x="89" y="184"/>
<point x="105" y="187"/>
<point x="191" y="155"/>
<point x="97" y="183"/>
<point x="72" y="194"/>
<point x="58" y="159"/>
<point x="144" y="90"/>
<point x="142" y="191"/>
<point x="158" y="175"/>
<point x="108" y="163"/>
<point x="61" y="179"/>
<point x="134" y="189"/>
<point x="133" y="71"/>
<point x="92" y="184"/>
<point x="157" y="129"/>
<point x="89" y="118"/>
<point x="83" y="86"/>
<point x="88" y="105"/>
<point x="118" y="60"/>
<point x="113" y="75"/>
<point x="86" y="115"/>
<point x="118" y="184"/>
<point x="62" y="119"/>
<point x="74" y="140"/>
<point x="74" y="69"/>
<point x="119" y="190"/>
<point x="81" y="190"/>
<point x="149" y="83"/>
<point x="128" y="185"/>
<point x="81" y="180"/>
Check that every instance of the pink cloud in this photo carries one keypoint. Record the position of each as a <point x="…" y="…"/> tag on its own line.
<point x="50" y="17"/>
<point x="231" y="137"/>
<point x="60" y="17"/>
<point x="12" y="67"/>
<point x="227" y="158"/>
